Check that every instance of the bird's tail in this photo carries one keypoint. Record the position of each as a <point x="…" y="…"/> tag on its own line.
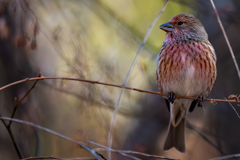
<point x="176" y="137"/>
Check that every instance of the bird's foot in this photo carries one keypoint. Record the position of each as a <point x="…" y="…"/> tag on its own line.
<point x="200" y="99"/>
<point x="171" y="97"/>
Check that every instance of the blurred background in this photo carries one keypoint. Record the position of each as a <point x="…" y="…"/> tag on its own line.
<point x="97" y="40"/>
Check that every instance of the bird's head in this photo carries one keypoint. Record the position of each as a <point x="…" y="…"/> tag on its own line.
<point x="184" y="27"/>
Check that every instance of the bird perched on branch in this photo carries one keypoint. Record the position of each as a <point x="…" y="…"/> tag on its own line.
<point x="186" y="66"/>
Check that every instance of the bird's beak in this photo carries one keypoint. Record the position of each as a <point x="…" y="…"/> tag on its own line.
<point x="167" y="27"/>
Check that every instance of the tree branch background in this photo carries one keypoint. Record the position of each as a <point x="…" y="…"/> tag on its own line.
<point x="98" y="40"/>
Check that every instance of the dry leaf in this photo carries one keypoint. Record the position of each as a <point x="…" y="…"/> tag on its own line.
<point x="233" y="96"/>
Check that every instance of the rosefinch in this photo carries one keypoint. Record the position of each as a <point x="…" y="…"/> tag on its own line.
<point x="186" y="67"/>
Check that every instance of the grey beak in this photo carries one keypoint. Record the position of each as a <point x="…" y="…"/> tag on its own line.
<point x="167" y="27"/>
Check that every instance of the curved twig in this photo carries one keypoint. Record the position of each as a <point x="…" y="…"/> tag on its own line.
<point x="89" y="149"/>
<point x="117" y="105"/>
<point x="226" y="157"/>
<point x="129" y="152"/>
<point x="51" y="157"/>
<point x="113" y="85"/>
<point x="226" y="38"/>
<point x="233" y="108"/>
<point x="19" y="102"/>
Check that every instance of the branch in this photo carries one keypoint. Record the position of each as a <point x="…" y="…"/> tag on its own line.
<point x="51" y="157"/>
<point x="226" y="157"/>
<point x="226" y="38"/>
<point x="89" y="149"/>
<point x="128" y="152"/>
<point x="114" y="85"/>
<point x="12" y="138"/>
<point x="19" y="102"/>
<point x="117" y="105"/>
<point x="205" y="137"/>
<point x="48" y="157"/>
<point x="233" y="109"/>
<point x="8" y="126"/>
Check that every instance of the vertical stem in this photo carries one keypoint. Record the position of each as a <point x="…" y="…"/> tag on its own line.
<point x="126" y="80"/>
<point x="226" y="38"/>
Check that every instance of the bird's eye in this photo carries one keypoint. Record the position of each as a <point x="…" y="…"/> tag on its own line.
<point x="180" y="23"/>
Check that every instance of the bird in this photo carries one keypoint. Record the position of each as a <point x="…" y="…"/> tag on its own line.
<point x="186" y="66"/>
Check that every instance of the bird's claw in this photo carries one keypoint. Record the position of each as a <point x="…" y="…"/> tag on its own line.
<point x="201" y="100"/>
<point x="171" y="97"/>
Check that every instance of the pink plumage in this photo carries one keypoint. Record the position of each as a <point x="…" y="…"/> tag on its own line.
<point x="186" y="67"/>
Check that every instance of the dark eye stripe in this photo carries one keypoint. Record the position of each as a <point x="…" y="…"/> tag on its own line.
<point x="180" y="23"/>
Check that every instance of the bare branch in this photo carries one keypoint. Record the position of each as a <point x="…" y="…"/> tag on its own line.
<point x="113" y="85"/>
<point x="226" y="157"/>
<point x="128" y="152"/>
<point x="226" y="38"/>
<point x="199" y="130"/>
<point x="233" y="108"/>
<point x="12" y="138"/>
<point x="8" y="126"/>
<point x="19" y="102"/>
<point x="51" y="157"/>
<point x="126" y="80"/>
<point x="89" y="149"/>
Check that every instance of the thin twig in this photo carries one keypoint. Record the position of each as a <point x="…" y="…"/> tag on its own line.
<point x="19" y="102"/>
<point x="128" y="152"/>
<point x="226" y="38"/>
<point x="51" y="157"/>
<point x="112" y="85"/>
<point x="8" y="126"/>
<point x="194" y="128"/>
<point x="48" y="157"/>
<point x="126" y="155"/>
<point x="12" y="138"/>
<point x="117" y="104"/>
<point x="226" y="157"/>
<point x="233" y="108"/>
<point x="89" y="149"/>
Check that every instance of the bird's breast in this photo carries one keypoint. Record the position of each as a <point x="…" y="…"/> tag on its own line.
<point x="186" y="69"/>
